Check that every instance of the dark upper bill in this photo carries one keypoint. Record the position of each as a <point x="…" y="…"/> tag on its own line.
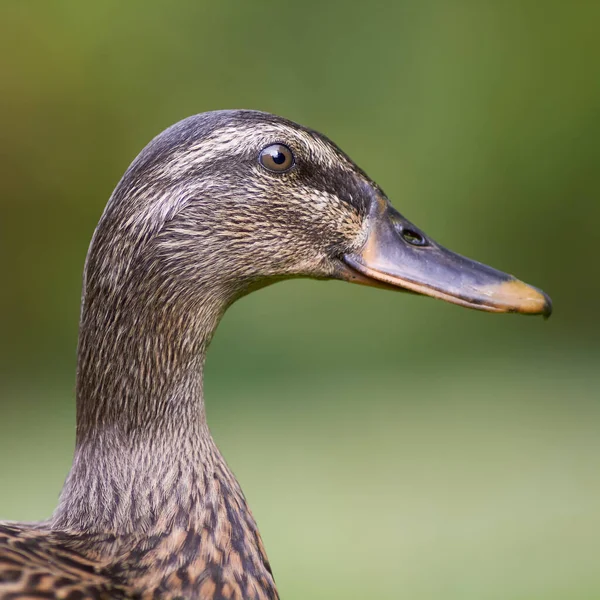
<point x="397" y="254"/>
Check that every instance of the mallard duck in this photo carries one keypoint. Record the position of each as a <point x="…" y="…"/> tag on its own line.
<point x="216" y="206"/>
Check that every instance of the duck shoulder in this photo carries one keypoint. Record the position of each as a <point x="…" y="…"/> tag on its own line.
<point x="37" y="563"/>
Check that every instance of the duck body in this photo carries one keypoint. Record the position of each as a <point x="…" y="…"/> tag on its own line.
<point x="216" y="206"/>
<point x="36" y="562"/>
<point x="221" y="558"/>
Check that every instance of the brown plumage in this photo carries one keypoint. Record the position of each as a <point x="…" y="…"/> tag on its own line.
<point x="200" y="218"/>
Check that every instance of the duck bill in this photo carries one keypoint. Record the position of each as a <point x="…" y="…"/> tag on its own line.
<point x="398" y="255"/>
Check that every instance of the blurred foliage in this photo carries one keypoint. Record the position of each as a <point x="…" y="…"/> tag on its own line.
<point x="389" y="444"/>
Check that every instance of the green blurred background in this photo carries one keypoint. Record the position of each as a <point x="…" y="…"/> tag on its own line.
<point x="390" y="446"/>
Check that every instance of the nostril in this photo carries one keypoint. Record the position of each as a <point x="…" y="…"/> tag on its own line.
<point x="413" y="237"/>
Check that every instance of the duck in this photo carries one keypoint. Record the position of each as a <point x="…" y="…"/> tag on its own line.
<point x="216" y="206"/>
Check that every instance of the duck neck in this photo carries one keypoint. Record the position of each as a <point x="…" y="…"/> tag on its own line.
<point x="147" y="475"/>
<point x="144" y="456"/>
<point x="142" y="438"/>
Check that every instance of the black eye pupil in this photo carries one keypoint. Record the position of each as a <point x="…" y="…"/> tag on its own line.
<point x="278" y="158"/>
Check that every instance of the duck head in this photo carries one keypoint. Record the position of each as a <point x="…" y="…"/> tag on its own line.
<point x="229" y="201"/>
<point x="218" y="205"/>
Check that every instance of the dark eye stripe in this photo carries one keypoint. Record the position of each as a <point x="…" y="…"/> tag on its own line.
<point x="277" y="158"/>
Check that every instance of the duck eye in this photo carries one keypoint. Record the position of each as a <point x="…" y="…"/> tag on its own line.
<point x="276" y="157"/>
